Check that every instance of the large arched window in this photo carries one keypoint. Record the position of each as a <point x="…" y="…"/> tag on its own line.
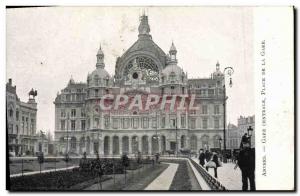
<point x="147" y="65"/>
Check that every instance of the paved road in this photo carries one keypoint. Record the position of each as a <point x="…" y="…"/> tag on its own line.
<point x="164" y="180"/>
<point x="228" y="176"/>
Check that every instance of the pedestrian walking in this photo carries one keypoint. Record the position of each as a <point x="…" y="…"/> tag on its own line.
<point x="207" y="155"/>
<point x="246" y="162"/>
<point x="201" y="157"/>
<point x="213" y="163"/>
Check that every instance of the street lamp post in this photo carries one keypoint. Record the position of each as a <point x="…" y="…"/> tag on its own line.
<point x="67" y="148"/>
<point x="176" y="137"/>
<point x="250" y="130"/>
<point x="220" y="142"/>
<point x="156" y="136"/>
<point x="227" y="71"/>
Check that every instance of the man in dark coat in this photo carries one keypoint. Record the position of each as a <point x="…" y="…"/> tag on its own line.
<point x="207" y="155"/>
<point x="216" y="160"/>
<point x="201" y="158"/>
<point x="246" y="162"/>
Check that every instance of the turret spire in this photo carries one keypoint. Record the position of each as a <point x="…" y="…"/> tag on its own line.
<point x="100" y="58"/>
<point x="144" y="28"/>
<point x="173" y="52"/>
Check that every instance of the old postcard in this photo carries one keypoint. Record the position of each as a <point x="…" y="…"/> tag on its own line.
<point x="150" y="98"/>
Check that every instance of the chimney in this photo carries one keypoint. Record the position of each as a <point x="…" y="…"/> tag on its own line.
<point x="10" y="81"/>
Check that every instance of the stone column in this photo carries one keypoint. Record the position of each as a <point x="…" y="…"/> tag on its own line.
<point x="150" y="145"/>
<point x="120" y="145"/>
<point x="77" y="146"/>
<point x="159" y="145"/>
<point x="130" y="145"/>
<point x="101" y="147"/>
<point x="92" y="147"/>
<point x="139" y="139"/>
<point x="167" y="143"/>
<point x="110" y="145"/>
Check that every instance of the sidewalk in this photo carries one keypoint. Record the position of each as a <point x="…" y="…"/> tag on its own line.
<point x="44" y="171"/>
<point x="164" y="180"/>
<point x="228" y="176"/>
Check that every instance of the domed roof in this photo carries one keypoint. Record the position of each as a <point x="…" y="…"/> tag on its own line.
<point x="100" y="72"/>
<point x="172" y="69"/>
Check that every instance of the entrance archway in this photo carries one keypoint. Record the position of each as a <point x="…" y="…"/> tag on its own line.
<point x="116" y="145"/>
<point x="145" y="145"/>
<point x="135" y="144"/>
<point x="183" y="141"/>
<point x="193" y="143"/>
<point x="154" y="144"/>
<point x="106" y="145"/>
<point x="163" y="144"/>
<point x="125" y="144"/>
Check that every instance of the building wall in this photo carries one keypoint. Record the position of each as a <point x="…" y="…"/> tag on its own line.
<point x="235" y="133"/>
<point x="21" y="123"/>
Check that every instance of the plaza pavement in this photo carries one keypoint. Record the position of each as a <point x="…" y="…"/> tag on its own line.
<point x="164" y="180"/>
<point x="229" y="177"/>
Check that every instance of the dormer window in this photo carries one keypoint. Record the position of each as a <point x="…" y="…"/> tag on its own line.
<point x="172" y="76"/>
<point x="96" y="80"/>
<point x="106" y="81"/>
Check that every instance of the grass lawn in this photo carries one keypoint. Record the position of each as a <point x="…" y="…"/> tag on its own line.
<point x="137" y="179"/>
<point x="184" y="178"/>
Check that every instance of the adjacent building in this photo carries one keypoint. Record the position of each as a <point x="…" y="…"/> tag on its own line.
<point x="235" y="133"/>
<point x="21" y="122"/>
<point x="144" y="69"/>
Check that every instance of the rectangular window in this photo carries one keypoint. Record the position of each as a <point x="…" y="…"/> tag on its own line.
<point x="204" y="109"/>
<point x="154" y="122"/>
<point x="96" y="123"/>
<point x="10" y="128"/>
<point x="182" y="121"/>
<point x="193" y="112"/>
<point x="72" y="125"/>
<point x="96" y="92"/>
<point x="88" y="123"/>
<point x="17" y="115"/>
<point x="82" y="113"/>
<point x="163" y="122"/>
<point x="135" y="123"/>
<point x="62" y="125"/>
<point x="126" y="123"/>
<point x="115" y="123"/>
<point x="82" y="124"/>
<point x="73" y="112"/>
<point x="145" y="122"/>
<point x="32" y="126"/>
<point x="217" y="123"/>
<point x="106" y="121"/>
<point x="27" y="125"/>
<point x="211" y="92"/>
<point x="216" y="109"/>
<point x="63" y="113"/>
<point x="193" y="123"/>
<point x="204" y="123"/>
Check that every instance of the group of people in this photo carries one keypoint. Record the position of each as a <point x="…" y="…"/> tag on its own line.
<point x="244" y="159"/>
<point x="208" y="160"/>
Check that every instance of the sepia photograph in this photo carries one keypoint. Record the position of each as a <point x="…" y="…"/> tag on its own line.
<point x="141" y="99"/>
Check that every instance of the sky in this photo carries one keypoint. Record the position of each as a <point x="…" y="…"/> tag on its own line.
<point x="46" y="46"/>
